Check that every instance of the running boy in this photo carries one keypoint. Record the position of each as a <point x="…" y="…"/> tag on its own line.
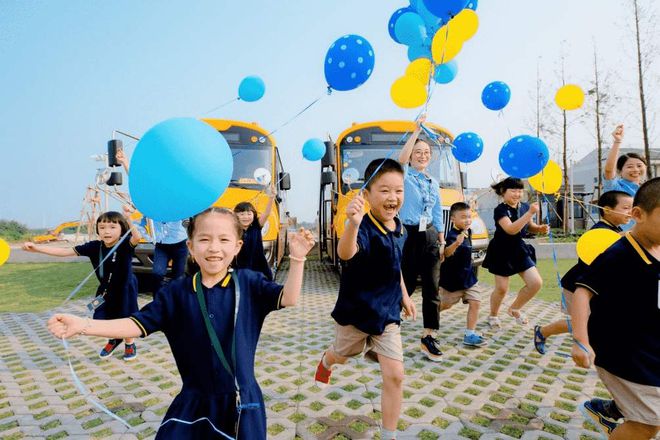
<point x="622" y="331"/>
<point x="371" y="290"/>
<point x="457" y="279"/>
<point x="614" y="208"/>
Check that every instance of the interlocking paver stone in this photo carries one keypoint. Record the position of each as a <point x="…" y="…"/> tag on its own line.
<point x="503" y="391"/>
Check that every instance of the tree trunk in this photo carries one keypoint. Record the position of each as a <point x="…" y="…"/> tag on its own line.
<point x="599" y="138"/>
<point x="640" y="72"/>
<point x="564" y="158"/>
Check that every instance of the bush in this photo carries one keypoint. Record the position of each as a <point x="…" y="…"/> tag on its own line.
<point x="11" y="230"/>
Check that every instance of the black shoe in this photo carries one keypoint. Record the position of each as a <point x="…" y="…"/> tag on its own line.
<point x="603" y="414"/>
<point x="429" y="346"/>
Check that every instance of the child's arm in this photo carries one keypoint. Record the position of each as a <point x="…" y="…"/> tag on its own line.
<point x="48" y="250"/>
<point x="610" y="163"/>
<point x="300" y="244"/>
<point x="347" y="246"/>
<point x="579" y="317"/>
<point x="409" y="309"/>
<point x="451" y="249"/>
<point x="406" y="151"/>
<point x="271" y="199"/>
<point x="538" y="229"/>
<point x="65" y="326"/>
<point x="136" y="235"/>
<point x="512" y="228"/>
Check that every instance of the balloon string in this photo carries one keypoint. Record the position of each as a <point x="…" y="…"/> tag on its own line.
<point x="222" y="105"/>
<point x="506" y="125"/>
<point x="329" y="92"/>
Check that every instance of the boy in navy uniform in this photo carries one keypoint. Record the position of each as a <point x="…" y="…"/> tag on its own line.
<point x="616" y="324"/>
<point x="371" y="291"/>
<point x="457" y="279"/>
<point x="614" y="208"/>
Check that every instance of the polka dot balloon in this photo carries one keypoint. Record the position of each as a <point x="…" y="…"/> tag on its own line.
<point x="349" y="63"/>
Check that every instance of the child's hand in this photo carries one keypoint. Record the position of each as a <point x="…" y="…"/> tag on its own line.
<point x="460" y="238"/>
<point x="617" y="134"/>
<point x="355" y="209"/>
<point x="121" y="157"/>
<point x="29" y="246"/>
<point x="64" y="326"/>
<point x="544" y="229"/>
<point x="409" y="309"/>
<point x="581" y="357"/>
<point x="271" y="192"/>
<point x="534" y="208"/>
<point x="301" y="243"/>
<point x="128" y="210"/>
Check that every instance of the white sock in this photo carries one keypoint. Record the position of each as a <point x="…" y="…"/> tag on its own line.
<point x="469" y="332"/>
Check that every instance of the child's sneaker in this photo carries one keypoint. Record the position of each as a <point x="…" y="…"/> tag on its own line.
<point x="322" y="374"/>
<point x="474" y="340"/>
<point x="109" y="347"/>
<point x="429" y="346"/>
<point x="130" y="352"/>
<point x="600" y="413"/>
<point x="539" y="339"/>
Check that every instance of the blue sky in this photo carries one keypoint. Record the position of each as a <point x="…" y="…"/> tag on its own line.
<point x="73" y="71"/>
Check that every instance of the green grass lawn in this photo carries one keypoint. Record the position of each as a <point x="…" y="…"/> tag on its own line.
<point x="35" y="287"/>
<point x="549" y="291"/>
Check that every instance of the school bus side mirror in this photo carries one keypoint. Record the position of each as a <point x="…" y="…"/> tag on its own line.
<point x="329" y="157"/>
<point x="464" y="181"/>
<point x="328" y="177"/>
<point x="285" y="181"/>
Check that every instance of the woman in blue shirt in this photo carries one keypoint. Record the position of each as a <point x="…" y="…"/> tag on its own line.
<point x="421" y="214"/>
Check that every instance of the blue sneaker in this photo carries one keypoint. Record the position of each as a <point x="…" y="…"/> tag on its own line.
<point x="602" y="414"/>
<point x="539" y="339"/>
<point x="130" y="352"/>
<point x="474" y="340"/>
<point x="109" y="347"/>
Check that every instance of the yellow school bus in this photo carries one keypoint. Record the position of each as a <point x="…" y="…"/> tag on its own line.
<point x="342" y="176"/>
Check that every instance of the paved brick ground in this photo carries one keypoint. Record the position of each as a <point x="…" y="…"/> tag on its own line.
<point x="502" y="391"/>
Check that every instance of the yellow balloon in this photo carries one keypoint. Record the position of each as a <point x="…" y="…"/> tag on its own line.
<point x="446" y="45"/>
<point x="465" y="24"/>
<point x="548" y="181"/>
<point x="408" y="92"/>
<point x="421" y="69"/>
<point x="5" y="250"/>
<point x="595" y="242"/>
<point x="569" y="97"/>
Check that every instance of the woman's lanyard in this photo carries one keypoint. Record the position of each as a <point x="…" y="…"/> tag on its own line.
<point x="426" y="195"/>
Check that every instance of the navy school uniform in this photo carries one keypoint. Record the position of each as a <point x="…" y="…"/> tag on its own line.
<point x="116" y="278"/>
<point x="208" y="388"/>
<point x="251" y="255"/>
<point x="571" y="276"/>
<point x="370" y="287"/>
<point x="456" y="271"/>
<point x="509" y="254"/>
<point x="624" y="324"/>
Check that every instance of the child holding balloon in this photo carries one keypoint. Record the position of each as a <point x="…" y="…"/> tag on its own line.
<point x="508" y="254"/>
<point x="212" y="321"/>
<point x="116" y="296"/>
<point x="252" y="255"/>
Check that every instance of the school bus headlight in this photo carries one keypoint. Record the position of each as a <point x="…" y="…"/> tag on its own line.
<point x="265" y="228"/>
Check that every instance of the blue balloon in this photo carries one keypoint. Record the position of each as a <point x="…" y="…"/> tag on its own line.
<point x="393" y="19"/>
<point x="179" y="168"/>
<point x="445" y="9"/>
<point x="445" y="73"/>
<point x="415" y="52"/>
<point x="313" y="149"/>
<point x="349" y="63"/>
<point x="467" y="147"/>
<point x="524" y="156"/>
<point x="496" y="95"/>
<point x="410" y="29"/>
<point x="432" y="22"/>
<point x="472" y="4"/>
<point x="251" y="89"/>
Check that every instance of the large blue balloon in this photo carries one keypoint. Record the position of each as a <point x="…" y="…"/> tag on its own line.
<point x="445" y="73"/>
<point x="496" y="95"/>
<point x="313" y="149"/>
<point x="445" y="9"/>
<point x="524" y="156"/>
<point x="251" y="89"/>
<point x="179" y="168"/>
<point x="349" y="62"/>
<point x="432" y="22"/>
<point x="472" y="4"/>
<point x="467" y="147"/>
<point x="410" y="29"/>
<point x="393" y="19"/>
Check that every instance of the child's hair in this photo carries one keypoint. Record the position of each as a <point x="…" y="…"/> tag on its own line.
<point x="245" y="207"/>
<point x="458" y="206"/>
<point x="508" y="183"/>
<point x="378" y="167"/>
<point x="610" y="199"/>
<point x="113" y="217"/>
<point x="621" y="161"/>
<point x="191" y="266"/>
<point x="648" y="195"/>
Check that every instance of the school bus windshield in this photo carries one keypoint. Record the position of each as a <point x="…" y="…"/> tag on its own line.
<point x="247" y="158"/>
<point x="443" y="166"/>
